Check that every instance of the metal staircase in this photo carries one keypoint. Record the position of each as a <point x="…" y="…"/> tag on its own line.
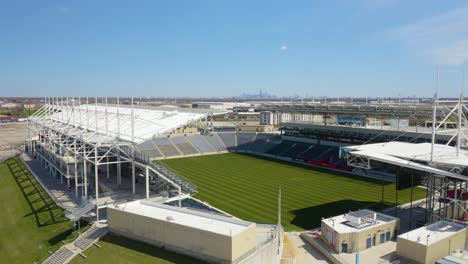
<point x="184" y="184"/>
<point x="90" y="237"/>
<point x="63" y="255"/>
<point x="160" y="168"/>
<point x="67" y="252"/>
<point x="76" y="213"/>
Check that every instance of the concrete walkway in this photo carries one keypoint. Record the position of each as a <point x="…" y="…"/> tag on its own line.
<point x="297" y="251"/>
<point x="58" y="192"/>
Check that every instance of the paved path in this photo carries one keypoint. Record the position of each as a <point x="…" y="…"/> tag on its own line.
<point x="295" y="248"/>
<point x="58" y="192"/>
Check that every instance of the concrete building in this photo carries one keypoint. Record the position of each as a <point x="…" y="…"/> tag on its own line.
<point x="431" y="243"/>
<point x="276" y="118"/>
<point x="359" y="230"/>
<point x="209" y="237"/>
<point x="9" y="105"/>
<point x="269" y="118"/>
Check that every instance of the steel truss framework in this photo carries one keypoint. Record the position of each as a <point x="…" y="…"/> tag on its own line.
<point x="439" y="203"/>
<point x="70" y="151"/>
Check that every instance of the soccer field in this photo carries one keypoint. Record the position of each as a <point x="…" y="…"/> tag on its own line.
<point x="247" y="187"/>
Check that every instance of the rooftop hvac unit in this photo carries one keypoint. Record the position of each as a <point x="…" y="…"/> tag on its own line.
<point x="361" y="218"/>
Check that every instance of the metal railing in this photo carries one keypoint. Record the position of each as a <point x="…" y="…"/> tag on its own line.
<point x="184" y="183"/>
<point x="76" y="213"/>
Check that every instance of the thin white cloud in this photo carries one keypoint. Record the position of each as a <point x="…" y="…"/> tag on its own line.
<point x="284" y="47"/>
<point x="63" y="10"/>
<point x="443" y="38"/>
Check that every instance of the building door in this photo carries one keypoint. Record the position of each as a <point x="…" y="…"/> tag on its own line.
<point x="368" y="242"/>
<point x="344" y="247"/>
<point x="373" y="240"/>
<point x="388" y="236"/>
<point x="382" y="238"/>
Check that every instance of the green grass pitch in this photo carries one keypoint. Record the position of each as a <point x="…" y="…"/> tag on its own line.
<point x="31" y="223"/>
<point x="247" y="187"/>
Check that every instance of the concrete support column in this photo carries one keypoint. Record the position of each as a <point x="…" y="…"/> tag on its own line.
<point x="147" y="183"/>
<point x="133" y="174"/>
<point x="60" y="175"/>
<point x="68" y="175"/>
<point x="85" y="174"/>
<point x="107" y="167"/>
<point x="96" y="181"/>
<point x="119" y="170"/>
<point x="76" y="170"/>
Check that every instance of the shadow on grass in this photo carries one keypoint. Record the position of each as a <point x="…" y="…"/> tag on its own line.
<point x="318" y="169"/>
<point x="42" y="206"/>
<point x="310" y="217"/>
<point x="147" y="249"/>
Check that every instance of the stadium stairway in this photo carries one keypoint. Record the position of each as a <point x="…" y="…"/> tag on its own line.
<point x="63" y="255"/>
<point x="76" y="213"/>
<point x="89" y="237"/>
<point x="184" y="184"/>
<point x="68" y="251"/>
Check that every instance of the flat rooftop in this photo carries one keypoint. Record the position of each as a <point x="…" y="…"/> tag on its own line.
<point x="443" y="154"/>
<point x="341" y="225"/>
<point x="432" y="233"/>
<point x="195" y="219"/>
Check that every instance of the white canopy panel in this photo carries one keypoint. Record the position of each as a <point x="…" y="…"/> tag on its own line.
<point x="443" y="154"/>
<point x="117" y="122"/>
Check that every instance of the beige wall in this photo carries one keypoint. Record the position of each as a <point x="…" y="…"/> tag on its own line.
<point x="423" y="254"/>
<point x="198" y="243"/>
<point x="411" y="250"/>
<point x="244" y="242"/>
<point x="445" y="247"/>
<point x="357" y="240"/>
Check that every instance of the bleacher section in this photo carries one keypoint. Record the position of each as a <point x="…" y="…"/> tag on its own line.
<point x="281" y="148"/>
<point x="149" y="149"/>
<point x="184" y="145"/>
<point x="244" y="140"/>
<point x="296" y="150"/>
<point x="215" y="142"/>
<point x="267" y="144"/>
<point x="264" y="142"/>
<point x="229" y="139"/>
<point x="166" y="147"/>
<point x="200" y="143"/>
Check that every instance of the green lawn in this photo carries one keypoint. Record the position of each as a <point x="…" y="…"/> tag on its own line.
<point x="115" y="249"/>
<point x="247" y="187"/>
<point x="30" y="224"/>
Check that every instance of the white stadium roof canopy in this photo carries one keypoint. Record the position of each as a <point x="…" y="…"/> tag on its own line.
<point x="443" y="154"/>
<point x="414" y="156"/>
<point x="148" y="122"/>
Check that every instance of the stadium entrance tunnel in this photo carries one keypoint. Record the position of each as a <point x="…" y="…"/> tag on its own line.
<point x="310" y="217"/>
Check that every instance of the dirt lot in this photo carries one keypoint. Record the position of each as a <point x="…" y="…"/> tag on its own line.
<point x="12" y="136"/>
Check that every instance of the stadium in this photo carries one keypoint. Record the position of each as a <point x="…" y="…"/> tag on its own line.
<point x="109" y="164"/>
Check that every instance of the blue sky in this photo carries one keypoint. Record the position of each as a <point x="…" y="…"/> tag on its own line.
<point x="224" y="48"/>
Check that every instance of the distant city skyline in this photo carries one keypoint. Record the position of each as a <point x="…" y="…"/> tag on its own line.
<point x="209" y="48"/>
